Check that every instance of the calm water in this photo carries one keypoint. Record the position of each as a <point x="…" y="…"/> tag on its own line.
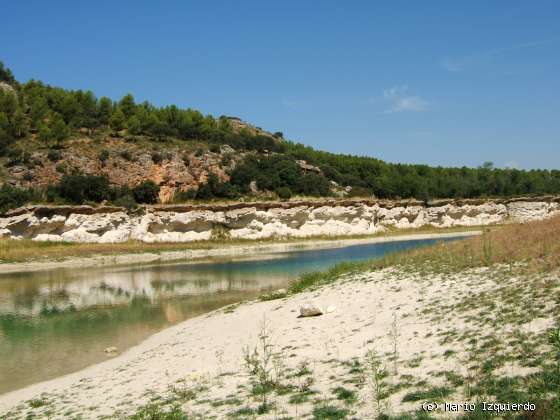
<point x="56" y="322"/>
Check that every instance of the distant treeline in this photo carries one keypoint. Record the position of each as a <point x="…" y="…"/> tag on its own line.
<point x="54" y="114"/>
<point x="390" y="180"/>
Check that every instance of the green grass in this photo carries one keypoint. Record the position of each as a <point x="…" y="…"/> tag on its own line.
<point x="529" y="247"/>
<point x="156" y="411"/>
<point x="301" y="397"/>
<point x="329" y="412"/>
<point x="437" y="393"/>
<point x="36" y="403"/>
<point x="244" y="412"/>
<point x="344" y="394"/>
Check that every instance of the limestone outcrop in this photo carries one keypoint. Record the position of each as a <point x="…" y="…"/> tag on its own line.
<point x="186" y="223"/>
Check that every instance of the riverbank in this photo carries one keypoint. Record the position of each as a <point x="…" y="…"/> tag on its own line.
<point x="324" y="364"/>
<point x="24" y="256"/>
<point x="467" y="321"/>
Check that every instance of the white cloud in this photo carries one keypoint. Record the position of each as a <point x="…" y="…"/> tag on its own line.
<point x="400" y="100"/>
<point x="458" y="64"/>
<point x="454" y="65"/>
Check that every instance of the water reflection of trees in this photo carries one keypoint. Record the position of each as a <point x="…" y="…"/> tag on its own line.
<point x="65" y="291"/>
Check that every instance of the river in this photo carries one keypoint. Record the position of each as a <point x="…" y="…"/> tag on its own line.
<point x="59" y="321"/>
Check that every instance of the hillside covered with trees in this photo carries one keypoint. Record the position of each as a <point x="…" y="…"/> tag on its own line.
<point x="45" y="129"/>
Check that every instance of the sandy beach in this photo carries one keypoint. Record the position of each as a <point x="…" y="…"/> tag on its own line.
<point x="405" y="323"/>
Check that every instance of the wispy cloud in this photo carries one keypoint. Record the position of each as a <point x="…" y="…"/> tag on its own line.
<point x="296" y="104"/>
<point x="400" y="100"/>
<point x="457" y="64"/>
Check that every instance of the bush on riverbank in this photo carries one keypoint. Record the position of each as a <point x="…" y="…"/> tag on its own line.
<point x="11" y="197"/>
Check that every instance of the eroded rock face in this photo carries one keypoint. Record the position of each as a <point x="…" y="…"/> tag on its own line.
<point x="261" y="220"/>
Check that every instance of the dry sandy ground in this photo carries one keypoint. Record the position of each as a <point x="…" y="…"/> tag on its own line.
<point x="383" y="316"/>
<point x="225" y="251"/>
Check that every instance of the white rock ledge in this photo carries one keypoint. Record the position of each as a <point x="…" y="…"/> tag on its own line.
<point x="262" y="220"/>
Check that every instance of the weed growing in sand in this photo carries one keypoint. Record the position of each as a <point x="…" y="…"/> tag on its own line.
<point x="157" y="411"/>
<point x="38" y="402"/>
<point x="329" y="412"/>
<point x="273" y="295"/>
<point x="437" y="393"/>
<point x="486" y="247"/>
<point x="188" y="389"/>
<point x="265" y="367"/>
<point x="344" y="394"/>
<point x="375" y="374"/>
<point x="394" y="336"/>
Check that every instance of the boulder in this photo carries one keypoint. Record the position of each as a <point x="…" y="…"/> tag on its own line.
<point x="253" y="187"/>
<point x="310" y="309"/>
<point x="226" y="148"/>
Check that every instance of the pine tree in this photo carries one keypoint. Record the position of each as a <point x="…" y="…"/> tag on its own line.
<point x="117" y="120"/>
<point x="6" y="75"/>
<point x="105" y="108"/>
<point x="19" y="123"/>
<point x="127" y="105"/>
<point x="59" y="129"/>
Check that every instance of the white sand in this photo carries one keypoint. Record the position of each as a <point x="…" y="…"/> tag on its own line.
<point x="197" y="351"/>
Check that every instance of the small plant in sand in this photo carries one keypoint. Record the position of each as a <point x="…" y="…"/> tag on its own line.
<point x="554" y="340"/>
<point x="154" y="411"/>
<point x="188" y="389"/>
<point x="264" y="366"/>
<point x="375" y="374"/>
<point x="220" y="358"/>
<point x="486" y="247"/>
<point x="302" y="379"/>
<point x="394" y="335"/>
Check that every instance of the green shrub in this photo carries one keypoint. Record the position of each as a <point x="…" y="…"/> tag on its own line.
<point x="54" y="155"/>
<point x="181" y="196"/>
<point x="284" y="193"/>
<point x="77" y="188"/>
<point x="215" y="188"/>
<point x="18" y="157"/>
<point x="146" y="192"/>
<point x="214" y="148"/>
<point x="313" y="184"/>
<point x="123" y="197"/>
<point x="359" y="192"/>
<point x="157" y="157"/>
<point x="61" y="168"/>
<point x="126" y="201"/>
<point x="126" y="155"/>
<point x="103" y="156"/>
<point x="12" y="197"/>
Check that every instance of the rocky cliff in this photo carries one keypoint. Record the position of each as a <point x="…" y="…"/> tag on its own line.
<point x="182" y="223"/>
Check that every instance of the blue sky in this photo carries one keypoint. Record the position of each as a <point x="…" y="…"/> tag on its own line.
<point x="437" y="82"/>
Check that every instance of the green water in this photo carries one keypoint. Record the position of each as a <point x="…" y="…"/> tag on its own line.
<point x="56" y="322"/>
